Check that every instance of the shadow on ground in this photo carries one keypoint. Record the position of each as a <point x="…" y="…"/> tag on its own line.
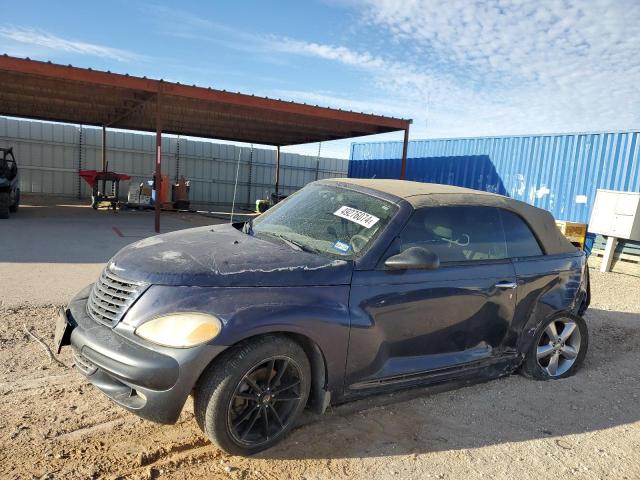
<point x="602" y="395"/>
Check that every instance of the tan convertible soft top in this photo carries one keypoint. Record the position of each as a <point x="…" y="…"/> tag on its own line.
<point x="432" y="194"/>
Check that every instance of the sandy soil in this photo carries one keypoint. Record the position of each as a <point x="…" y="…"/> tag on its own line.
<point x="53" y="424"/>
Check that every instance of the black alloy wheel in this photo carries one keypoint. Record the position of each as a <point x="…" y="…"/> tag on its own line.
<point x="249" y="398"/>
<point x="264" y="401"/>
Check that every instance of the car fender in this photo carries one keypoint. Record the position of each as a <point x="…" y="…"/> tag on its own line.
<point x="319" y="313"/>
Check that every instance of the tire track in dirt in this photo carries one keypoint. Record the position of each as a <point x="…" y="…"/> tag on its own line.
<point x="96" y="428"/>
<point x="25" y="384"/>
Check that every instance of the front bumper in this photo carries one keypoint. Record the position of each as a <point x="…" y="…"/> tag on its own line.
<point x="153" y="383"/>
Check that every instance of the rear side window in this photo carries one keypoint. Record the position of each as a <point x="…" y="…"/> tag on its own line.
<point x="520" y="240"/>
<point x="457" y="234"/>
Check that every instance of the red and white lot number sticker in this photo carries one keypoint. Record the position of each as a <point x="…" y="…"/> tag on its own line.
<point x="357" y="216"/>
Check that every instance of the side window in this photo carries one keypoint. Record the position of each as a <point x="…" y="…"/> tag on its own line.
<point x="456" y="234"/>
<point x="520" y="240"/>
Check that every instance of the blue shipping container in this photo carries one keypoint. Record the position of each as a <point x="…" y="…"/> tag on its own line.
<point x="559" y="173"/>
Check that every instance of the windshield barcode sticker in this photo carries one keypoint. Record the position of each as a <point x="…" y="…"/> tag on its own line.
<point x="357" y="216"/>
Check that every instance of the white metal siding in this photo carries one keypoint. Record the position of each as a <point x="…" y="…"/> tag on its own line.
<point x="49" y="156"/>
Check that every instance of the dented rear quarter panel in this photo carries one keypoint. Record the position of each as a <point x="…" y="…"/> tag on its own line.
<point x="547" y="285"/>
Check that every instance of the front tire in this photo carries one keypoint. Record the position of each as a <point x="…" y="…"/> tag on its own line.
<point x="249" y="399"/>
<point x="559" y="347"/>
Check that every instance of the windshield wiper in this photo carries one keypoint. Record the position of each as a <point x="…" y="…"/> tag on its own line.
<point x="292" y="243"/>
<point x="248" y="227"/>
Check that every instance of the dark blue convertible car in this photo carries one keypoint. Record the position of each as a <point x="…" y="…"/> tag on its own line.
<point x="345" y="289"/>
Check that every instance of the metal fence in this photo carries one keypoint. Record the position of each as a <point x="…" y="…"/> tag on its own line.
<point x="50" y="155"/>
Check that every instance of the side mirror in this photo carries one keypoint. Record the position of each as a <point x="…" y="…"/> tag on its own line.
<point x="416" y="258"/>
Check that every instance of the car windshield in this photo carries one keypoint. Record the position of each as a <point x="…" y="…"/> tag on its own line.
<point x="326" y="219"/>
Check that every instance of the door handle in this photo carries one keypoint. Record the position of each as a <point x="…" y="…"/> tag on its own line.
<point x="506" y="285"/>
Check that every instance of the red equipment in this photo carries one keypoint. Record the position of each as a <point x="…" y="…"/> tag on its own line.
<point x="94" y="177"/>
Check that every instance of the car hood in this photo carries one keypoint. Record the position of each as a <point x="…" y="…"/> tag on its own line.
<point x="223" y="256"/>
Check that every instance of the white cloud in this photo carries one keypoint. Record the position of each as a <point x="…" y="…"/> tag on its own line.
<point x="457" y="67"/>
<point x="39" y="38"/>
<point x="492" y="67"/>
<point x="519" y="66"/>
<point x="328" y="52"/>
<point x="410" y="90"/>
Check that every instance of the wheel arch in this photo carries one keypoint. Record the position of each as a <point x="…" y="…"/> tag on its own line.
<point x="319" y="397"/>
<point x="527" y="367"/>
<point x="534" y="324"/>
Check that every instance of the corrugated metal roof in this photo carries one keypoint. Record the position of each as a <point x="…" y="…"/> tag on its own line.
<point x="560" y="173"/>
<point x="47" y="91"/>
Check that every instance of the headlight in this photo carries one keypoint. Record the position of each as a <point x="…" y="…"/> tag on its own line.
<point x="180" y="330"/>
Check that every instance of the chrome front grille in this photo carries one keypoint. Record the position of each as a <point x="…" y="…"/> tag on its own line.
<point x="111" y="297"/>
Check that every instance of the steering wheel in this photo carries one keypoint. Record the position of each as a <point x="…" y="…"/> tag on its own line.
<point x="358" y="242"/>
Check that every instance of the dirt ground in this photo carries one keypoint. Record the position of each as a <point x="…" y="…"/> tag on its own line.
<point x="53" y="424"/>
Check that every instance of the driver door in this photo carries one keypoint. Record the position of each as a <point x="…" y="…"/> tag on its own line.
<point x="409" y="325"/>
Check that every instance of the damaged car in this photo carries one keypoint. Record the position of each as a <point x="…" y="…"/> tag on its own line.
<point x="349" y="287"/>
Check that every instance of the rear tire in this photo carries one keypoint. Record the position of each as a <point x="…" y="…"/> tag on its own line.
<point x="5" y="202"/>
<point x="249" y="399"/>
<point x="558" y="349"/>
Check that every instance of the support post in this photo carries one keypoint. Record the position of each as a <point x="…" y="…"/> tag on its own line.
<point x="158" y="172"/>
<point x="318" y="160"/>
<point x="158" y="176"/>
<point x="79" y="163"/>
<point x="405" y="144"/>
<point x="277" y="170"/>
<point x="104" y="148"/>
<point x="609" y="250"/>
<point x="250" y="176"/>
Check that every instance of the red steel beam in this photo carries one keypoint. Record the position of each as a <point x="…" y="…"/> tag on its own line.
<point x="210" y="113"/>
<point x="193" y="107"/>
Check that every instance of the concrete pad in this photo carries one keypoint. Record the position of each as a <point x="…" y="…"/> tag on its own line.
<point x="51" y="249"/>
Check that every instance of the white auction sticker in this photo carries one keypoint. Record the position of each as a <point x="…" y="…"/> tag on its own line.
<point x="357" y="216"/>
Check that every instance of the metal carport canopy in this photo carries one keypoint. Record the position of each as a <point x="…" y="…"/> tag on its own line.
<point x="47" y="91"/>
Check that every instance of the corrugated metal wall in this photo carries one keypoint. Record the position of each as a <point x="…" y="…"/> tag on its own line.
<point x="49" y="156"/>
<point x="559" y="173"/>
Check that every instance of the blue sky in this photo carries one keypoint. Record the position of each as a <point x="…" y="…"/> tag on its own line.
<point x="456" y="67"/>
